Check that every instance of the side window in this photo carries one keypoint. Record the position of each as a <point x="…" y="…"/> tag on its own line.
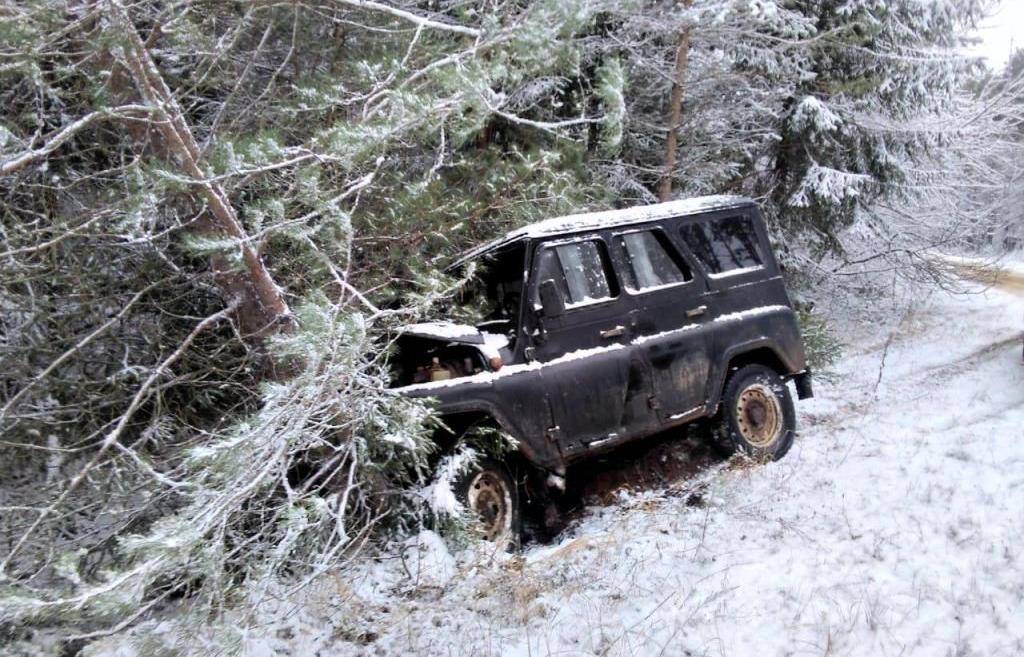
<point x="550" y="270"/>
<point x="580" y="270"/>
<point x="724" y="245"/>
<point x="651" y="261"/>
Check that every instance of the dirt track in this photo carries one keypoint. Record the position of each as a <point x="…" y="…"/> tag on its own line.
<point x="990" y="274"/>
<point x="1011" y="282"/>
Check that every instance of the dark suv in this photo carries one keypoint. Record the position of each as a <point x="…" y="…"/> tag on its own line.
<point x="598" y="329"/>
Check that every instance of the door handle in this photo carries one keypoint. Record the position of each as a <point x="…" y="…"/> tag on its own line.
<point x="616" y="332"/>
<point x="696" y="312"/>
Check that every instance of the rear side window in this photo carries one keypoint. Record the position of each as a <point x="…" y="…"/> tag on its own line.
<point x="724" y="245"/>
<point x="580" y="270"/>
<point x="651" y="262"/>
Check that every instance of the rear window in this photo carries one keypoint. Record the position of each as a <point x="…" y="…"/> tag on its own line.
<point x="724" y="245"/>
<point x="580" y="271"/>
<point x="651" y="261"/>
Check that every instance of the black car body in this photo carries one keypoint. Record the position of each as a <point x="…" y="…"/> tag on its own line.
<point x="607" y="327"/>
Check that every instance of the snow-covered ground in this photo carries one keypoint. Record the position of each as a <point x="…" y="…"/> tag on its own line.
<point x="895" y="526"/>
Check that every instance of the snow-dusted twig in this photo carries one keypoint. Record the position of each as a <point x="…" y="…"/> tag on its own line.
<point x="115" y="434"/>
<point x="56" y="140"/>
<point x="411" y="17"/>
<point x="64" y="357"/>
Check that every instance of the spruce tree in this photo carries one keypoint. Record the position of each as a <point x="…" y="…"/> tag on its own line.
<point x="878" y="80"/>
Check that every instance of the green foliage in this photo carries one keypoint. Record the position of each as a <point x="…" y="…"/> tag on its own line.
<point x="853" y="125"/>
<point x="489" y="441"/>
<point x="486" y="191"/>
<point x="824" y="348"/>
<point x="611" y="80"/>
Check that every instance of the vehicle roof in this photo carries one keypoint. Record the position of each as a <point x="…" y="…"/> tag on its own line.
<point x="577" y="223"/>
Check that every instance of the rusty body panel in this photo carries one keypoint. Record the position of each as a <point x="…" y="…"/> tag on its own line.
<point x="601" y="372"/>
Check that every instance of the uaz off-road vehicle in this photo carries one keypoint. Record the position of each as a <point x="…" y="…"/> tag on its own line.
<point x="603" y="328"/>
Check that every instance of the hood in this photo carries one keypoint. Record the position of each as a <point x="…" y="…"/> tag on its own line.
<point x="445" y="332"/>
<point x="490" y="344"/>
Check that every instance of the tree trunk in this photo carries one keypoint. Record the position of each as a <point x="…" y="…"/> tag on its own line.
<point x="675" y="111"/>
<point x="262" y="308"/>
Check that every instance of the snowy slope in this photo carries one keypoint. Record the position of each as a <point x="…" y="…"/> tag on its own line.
<point x="894" y="527"/>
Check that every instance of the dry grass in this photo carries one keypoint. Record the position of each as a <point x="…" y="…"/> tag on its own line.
<point x="987" y="274"/>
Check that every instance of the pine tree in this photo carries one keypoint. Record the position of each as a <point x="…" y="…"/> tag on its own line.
<point x="879" y="80"/>
<point x="149" y="448"/>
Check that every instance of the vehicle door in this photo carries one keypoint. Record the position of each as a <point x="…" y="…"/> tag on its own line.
<point x="580" y="341"/>
<point x="670" y="314"/>
<point x="732" y="249"/>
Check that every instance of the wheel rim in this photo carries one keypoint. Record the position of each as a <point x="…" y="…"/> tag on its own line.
<point x="490" y="500"/>
<point x="759" y="415"/>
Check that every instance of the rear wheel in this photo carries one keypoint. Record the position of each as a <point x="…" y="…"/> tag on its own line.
<point x="756" y="414"/>
<point x="492" y="499"/>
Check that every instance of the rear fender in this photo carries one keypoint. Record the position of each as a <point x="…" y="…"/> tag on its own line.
<point x="762" y="351"/>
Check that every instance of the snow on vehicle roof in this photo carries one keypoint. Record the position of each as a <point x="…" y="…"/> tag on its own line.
<point x="576" y="223"/>
<point x="442" y="330"/>
<point x="611" y="218"/>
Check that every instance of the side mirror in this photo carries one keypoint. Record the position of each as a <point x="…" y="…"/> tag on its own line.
<point x="550" y="300"/>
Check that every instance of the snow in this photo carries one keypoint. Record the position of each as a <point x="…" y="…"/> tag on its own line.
<point x="812" y="112"/>
<point x="587" y="301"/>
<point x="610" y="219"/>
<point x="752" y="312"/>
<point x="490" y="377"/>
<point x="655" y="288"/>
<point x="893" y="527"/>
<point x="440" y="493"/>
<point x="736" y="272"/>
<point x="828" y="185"/>
<point x="679" y="416"/>
<point x="442" y="330"/>
<point x="729" y="317"/>
<point x="428" y="560"/>
<point x="493" y="344"/>
<point x="644" y="339"/>
<point x="489" y="344"/>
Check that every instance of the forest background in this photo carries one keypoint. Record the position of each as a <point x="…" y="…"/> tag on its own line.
<point x="214" y="216"/>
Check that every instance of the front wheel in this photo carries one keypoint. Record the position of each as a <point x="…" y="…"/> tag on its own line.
<point x="490" y="495"/>
<point x="756" y="415"/>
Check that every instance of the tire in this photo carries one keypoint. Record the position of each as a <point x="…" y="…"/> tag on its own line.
<point x="491" y="497"/>
<point x="756" y="414"/>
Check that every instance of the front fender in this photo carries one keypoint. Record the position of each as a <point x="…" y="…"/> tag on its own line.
<point x="515" y="399"/>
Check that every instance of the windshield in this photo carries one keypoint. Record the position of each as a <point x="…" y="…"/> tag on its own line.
<point x="492" y="297"/>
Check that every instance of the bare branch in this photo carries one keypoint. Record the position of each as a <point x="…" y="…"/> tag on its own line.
<point x="115" y="434"/>
<point x="74" y="350"/>
<point x="411" y="17"/>
<point x="59" y="138"/>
